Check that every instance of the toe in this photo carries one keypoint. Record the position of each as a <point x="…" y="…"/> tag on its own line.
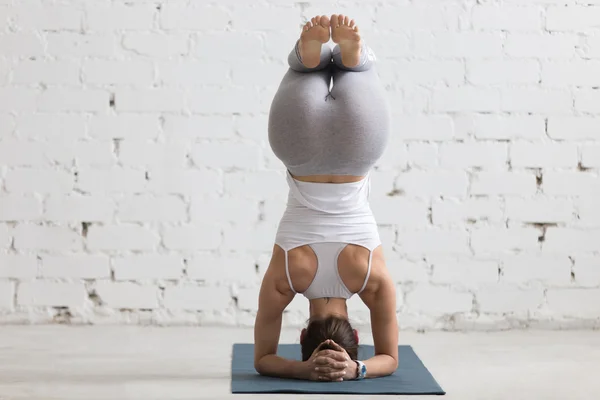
<point x="346" y="20"/>
<point x="352" y="24"/>
<point x="340" y="19"/>
<point x="324" y="21"/>
<point x="334" y="20"/>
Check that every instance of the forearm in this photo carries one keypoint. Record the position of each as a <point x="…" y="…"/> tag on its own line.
<point x="380" y="365"/>
<point x="273" y="365"/>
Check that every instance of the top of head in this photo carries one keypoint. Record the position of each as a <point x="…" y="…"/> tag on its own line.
<point x="335" y="328"/>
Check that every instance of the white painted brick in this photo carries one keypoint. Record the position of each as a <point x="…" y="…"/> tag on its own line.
<point x="229" y="46"/>
<point x="184" y="181"/>
<point x="438" y="300"/>
<point x="145" y="208"/>
<point x="495" y="72"/>
<point x="248" y="299"/>
<point x="192" y="237"/>
<point x="503" y="183"/>
<point x="540" y="45"/>
<point x="579" y="303"/>
<point x="463" y="155"/>
<point x="74" y="44"/>
<point x="145" y="153"/>
<point x="504" y="240"/>
<point x="45" y="181"/>
<point x="18" y="266"/>
<point x="431" y="127"/>
<point x="271" y="18"/>
<point x="193" y="72"/>
<point x="249" y="237"/>
<point x="197" y="298"/>
<point x="573" y="128"/>
<point x="225" y="267"/>
<point x="21" y="153"/>
<point x="255" y="72"/>
<point x="466" y="99"/>
<point x="75" y="266"/>
<point x="5" y="236"/>
<point x="547" y="270"/>
<point x="592" y="47"/>
<point x="399" y="210"/>
<point x="72" y="208"/>
<point x="256" y="185"/>
<point x="565" y="240"/>
<point x="5" y="68"/>
<point x="464" y="272"/>
<point x="181" y="16"/>
<point x="509" y="18"/>
<point x="391" y="43"/>
<point x="61" y="72"/>
<point x="272" y="210"/>
<point x="216" y="155"/>
<point x="509" y="127"/>
<point x="62" y="99"/>
<point x="51" y="127"/>
<point x="394" y="157"/>
<point x="587" y="271"/>
<point x="539" y="210"/>
<point x="225" y="101"/>
<point x="224" y="209"/>
<point x="112" y="180"/>
<point x="537" y="101"/>
<point x="543" y="155"/>
<point x="448" y="211"/>
<point x="157" y="45"/>
<point x="508" y="299"/>
<point x="8" y="123"/>
<point x="422" y="155"/>
<point x="433" y="242"/>
<point x="124" y="126"/>
<point x="127" y="295"/>
<point x="35" y="237"/>
<point x="405" y="269"/>
<point x="42" y="293"/>
<point x="439" y="183"/>
<point x="81" y="153"/>
<point x="18" y="99"/>
<point x="458" y="44"/>
<point x="201" y="127"/>
<point x="121" y="237"/>
<point x="571" y="183"/>
<point x="417" y="17"/>
<point x="429" y="72"/>
<point x="47" y="17"/>
<point x="21" y="44"/>
<point x="587" y="100"/>
<point x="149" y="100"/>
<point x="7" y="293"/>
<point x="148" y="266"/>
<point x="588" y="211"/>
<point x="109" y="72"/>
<point x="17" y="207"/>
<point x="580" y="73"/>
<point x="572" y="18"/>
<point x="111" y="17"/>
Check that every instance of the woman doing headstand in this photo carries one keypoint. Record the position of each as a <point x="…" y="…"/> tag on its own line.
<point x="327" y="245"/>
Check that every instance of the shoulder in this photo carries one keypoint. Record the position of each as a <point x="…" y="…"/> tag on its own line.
<point x="380" y="286"/>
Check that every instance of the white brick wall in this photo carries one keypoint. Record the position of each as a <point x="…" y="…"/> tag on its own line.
<point x="136" y="176"/>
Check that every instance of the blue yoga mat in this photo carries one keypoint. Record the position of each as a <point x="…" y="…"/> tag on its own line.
<point x="411" y="377"/>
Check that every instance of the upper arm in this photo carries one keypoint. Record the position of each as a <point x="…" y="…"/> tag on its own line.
<point x="384" y="321"/>
<point x="271" y="303"/>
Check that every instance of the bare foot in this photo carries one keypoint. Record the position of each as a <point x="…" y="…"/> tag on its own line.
<point x="345" y="33"/>
<point x="314" y="34"/>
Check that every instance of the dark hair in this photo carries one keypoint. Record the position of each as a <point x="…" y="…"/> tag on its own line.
<point x="335" y="328"/>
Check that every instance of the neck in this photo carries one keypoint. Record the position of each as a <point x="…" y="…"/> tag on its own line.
<point x="321" y="308"/>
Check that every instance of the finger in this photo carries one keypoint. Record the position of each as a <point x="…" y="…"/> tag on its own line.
<point x="318" y="349"/>
<point x="331" y="368"/>
<point x="335" y="354"/>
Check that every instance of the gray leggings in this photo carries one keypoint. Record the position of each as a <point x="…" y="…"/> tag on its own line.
<point x="317" y="131"/>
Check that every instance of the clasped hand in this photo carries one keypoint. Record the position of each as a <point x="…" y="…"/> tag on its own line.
<point x="333" y="365"/>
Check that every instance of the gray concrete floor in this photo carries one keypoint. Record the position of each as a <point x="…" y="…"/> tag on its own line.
<point x="61" y="362"/>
